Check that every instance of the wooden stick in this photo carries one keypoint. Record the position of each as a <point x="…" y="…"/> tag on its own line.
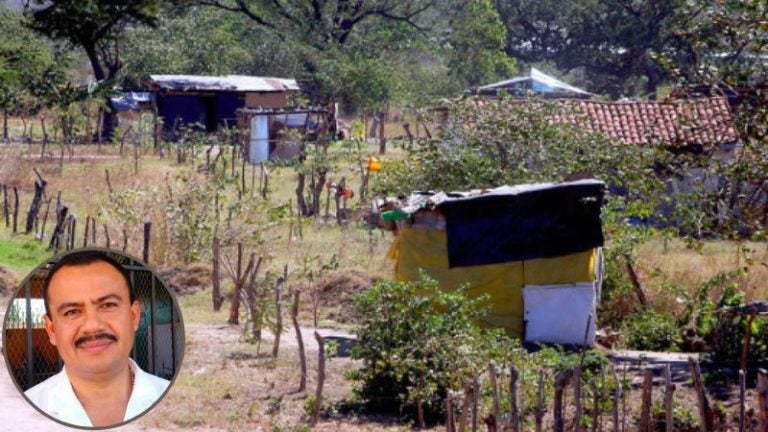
<point x="106" y="235"/>
<point x="669" y="393"/>
<point x="762" y="398"/>
<point x="742" y="401"/>
<point x="616" y="400"/>
<point x="450" y="424"/>
<point x="495" y="390"/>
<point x="561" y="381"/>
<point x="217" y="299"/>
<point x="299" y="340"/>
<point x="747" y="339"/>
<point x="15" y="207"/>
<point x="465" y="407"/>
<point x="279" y="311"/>
<point x="475" y="391"/>
<point x="87" y="227"/>
<point x="515" y="420"/>
<point x="147" y="237"/>
<point x="6" y="212"/>
<point x="109" y="184"/>
<point x="320" y="378"/>
<point x="705" y="412"/>
<point x="645" y="410"/>
<point x="577" y="399"/>
<point x="540" y="402"/>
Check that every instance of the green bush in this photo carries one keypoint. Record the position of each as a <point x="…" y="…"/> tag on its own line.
<point x="651" y="331"/>
<point x="415" y="343"/>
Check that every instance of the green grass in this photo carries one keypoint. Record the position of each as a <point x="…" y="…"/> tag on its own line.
<point x="21" y="254"/>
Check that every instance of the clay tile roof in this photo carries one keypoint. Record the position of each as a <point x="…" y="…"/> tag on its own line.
<point x="705" y="121"/>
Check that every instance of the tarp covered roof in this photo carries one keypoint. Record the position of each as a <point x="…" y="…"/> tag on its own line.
<point x="239" y="83"/>
<point x="128" y="101"/>
<point x="538" y="82"/>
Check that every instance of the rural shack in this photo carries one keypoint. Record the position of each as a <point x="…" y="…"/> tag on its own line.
<point x="534" y="249"/>
<point x="213" y="101"/>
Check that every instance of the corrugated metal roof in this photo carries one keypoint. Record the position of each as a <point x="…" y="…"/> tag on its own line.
<point x="541" y="82"/>
<point x="224" y="83"/>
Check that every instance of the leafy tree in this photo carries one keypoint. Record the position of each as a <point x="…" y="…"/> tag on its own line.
<point x="614" y="42"/>
<point x="23" y="58"/>
<point x="476" y="40"/>
<point x="727" y="43"/>
<point x="324" y="23"/>
<point x="95" y="26"/>
<point x="206" y="41"/>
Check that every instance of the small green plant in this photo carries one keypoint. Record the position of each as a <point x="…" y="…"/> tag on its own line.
<point x="417" y="342"/>
<point x="651" y="331"/>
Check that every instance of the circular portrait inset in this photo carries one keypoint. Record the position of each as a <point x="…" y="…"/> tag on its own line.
<point x="93" y="338"/>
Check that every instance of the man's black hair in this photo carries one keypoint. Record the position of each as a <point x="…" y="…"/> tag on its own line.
<point x="82" y="258"/>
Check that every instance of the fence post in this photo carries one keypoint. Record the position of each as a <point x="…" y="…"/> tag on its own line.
<point x="515" y="420"/>
<point x="669" y="392"/>
<point x="742" y="402"/>
<point x="561" y="382"/>
<point x="645" y="410"/>
<point x="495" y="390"/>
<point x="705" y="412"/>
<point x="577" y="399"/>
<point x="147" y="233"/>
<point x="540" y="402"/>
<point x="320" y="377"/>
<point x="762" y="398"/>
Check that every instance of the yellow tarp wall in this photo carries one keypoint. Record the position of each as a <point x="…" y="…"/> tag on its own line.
<point x="416" y="248"/>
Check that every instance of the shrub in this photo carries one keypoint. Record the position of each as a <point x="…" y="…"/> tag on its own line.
<point x="416" y="342"/>
<point x="651" y="331"/>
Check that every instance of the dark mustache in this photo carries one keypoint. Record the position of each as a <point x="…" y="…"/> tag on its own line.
<point x="85" y="339"/>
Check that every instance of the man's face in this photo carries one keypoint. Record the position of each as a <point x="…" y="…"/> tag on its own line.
<point x="92" y="322"/>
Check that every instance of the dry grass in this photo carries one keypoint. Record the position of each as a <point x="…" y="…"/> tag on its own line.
<point x="664" y="264"/>
<point x="224" y="385"/>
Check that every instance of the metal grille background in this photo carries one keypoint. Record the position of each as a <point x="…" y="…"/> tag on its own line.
<point x="158" y="345"/>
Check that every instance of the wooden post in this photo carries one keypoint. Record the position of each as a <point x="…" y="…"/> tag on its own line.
<point x="93" y="229"/>
<point x="747" y="338"/>
<point x="450" y="425"/>
<point x="234" y="309"/>
<point x="6" y="212"/>
<point x="37" y="201"/>
<point x="299" y="340"/>
<point x="540" y="402"/>
<point x="705" y="412"/>
<point x="15" y="208"/>
<point x="495" y="390"/>
<point x="87" y="227"/>
<point x="639" y="291"/>
<point x="125" y="240"/>
<point x="109" y="183"/>
<point x="616" y="400"/>
<point x="669" y="393"/>
<point x="217" y="299"/>
<point x="475" y="392"/>
<point x="45" y="218"/>
<point x="320" y="378"/>
<point x="72" y="232"/>
<point x="465" y="407"/>
<point x="742" y="401"/>
<point x="561" y="382"/>
<point x="147" y="234"/>
<point x="279" y="311"/>
<point x="577" y="399"/>
<point x="513" y="377"/>
<point x="645" y="409"/>
<point x="762" y="398"/>
<point x="107" y="242"/>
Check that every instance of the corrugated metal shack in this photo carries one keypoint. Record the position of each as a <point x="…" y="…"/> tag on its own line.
<point x="534" y="249"/>
<point x="212" y="101"/>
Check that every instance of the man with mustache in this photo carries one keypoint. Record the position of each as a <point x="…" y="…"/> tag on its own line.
<point x="91" y="317"/>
